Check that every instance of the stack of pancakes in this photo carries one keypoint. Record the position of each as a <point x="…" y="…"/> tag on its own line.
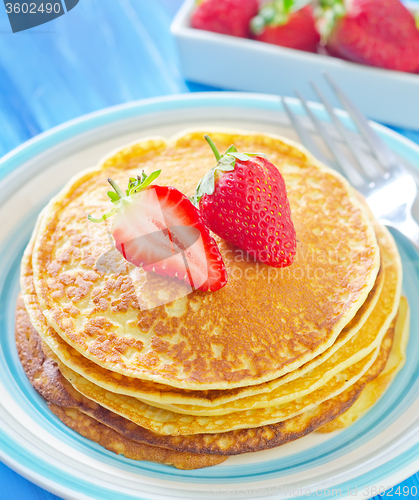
<point x="269" y="358"/>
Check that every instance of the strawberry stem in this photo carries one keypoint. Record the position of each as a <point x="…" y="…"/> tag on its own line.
<point x="104" y="216"/>
<point x="118" y="191"/>
<point x="213" y="147"/>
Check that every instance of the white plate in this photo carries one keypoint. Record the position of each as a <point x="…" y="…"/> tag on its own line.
<point x="239" y="64"/>
<point x="379" y="451"/>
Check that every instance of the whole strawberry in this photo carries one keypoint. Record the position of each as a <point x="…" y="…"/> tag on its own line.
<point x="159" y="229"/>
<point x="282" y="23"/>
<point x="243" y="200"/>
<point x="380" y="33"/>
<point x="230" y="17"/>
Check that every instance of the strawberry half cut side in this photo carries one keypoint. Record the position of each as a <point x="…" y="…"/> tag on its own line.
<point x="159" y="229"/>
<point x="243" y="199"/>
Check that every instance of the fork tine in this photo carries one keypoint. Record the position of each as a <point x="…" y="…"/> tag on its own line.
<point x="351" y="173"/>
<point x="371" y="171"/>
<point x="305" y="137"/>
<point x="381" y="151"/>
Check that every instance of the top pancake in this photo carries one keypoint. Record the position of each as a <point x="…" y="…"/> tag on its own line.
<point x="264" y="323"/>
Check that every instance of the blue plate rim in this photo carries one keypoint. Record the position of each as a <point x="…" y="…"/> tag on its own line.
<point x="107" y="116"/>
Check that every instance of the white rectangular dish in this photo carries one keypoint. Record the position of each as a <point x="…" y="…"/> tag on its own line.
<point x="239" y="64"/>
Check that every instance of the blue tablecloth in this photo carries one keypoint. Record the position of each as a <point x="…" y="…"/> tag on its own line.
<point x="103" y="52"/>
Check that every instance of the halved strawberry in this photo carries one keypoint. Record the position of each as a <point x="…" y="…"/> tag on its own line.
<point x="159" y="229"/>
<point x="243" y="199"/>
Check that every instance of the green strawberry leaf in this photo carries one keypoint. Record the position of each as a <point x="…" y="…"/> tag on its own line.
<point x="327" y="14"/>
<point x="287" y="5"/>
<point x="268" y="13"/>
<point x="113" y="196"/>
<point x="226" y="162"/>
<point x="299" y="4"/>
<point x="134" y="186"/>
<point x="257" y="25"/>
<point x="207" y="184"/>
<point x="240" y="156"/>
<point x="276" y="13"/>
<point x="246" y="156"/>
<point x="147" y="180"/>
<point x="231" y="149"/>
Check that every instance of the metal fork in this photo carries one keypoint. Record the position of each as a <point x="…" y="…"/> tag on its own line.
<point x="388" y="188"/>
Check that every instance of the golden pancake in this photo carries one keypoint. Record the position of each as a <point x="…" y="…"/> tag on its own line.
<point x="46" y="378"/>
<point x="263" y="324"/>
<point x="341" y="370"/>
<point x="367" y="339"/>
<point x="167" y="422"/>
<point x="91" y="429"/>
<point x="158" y="393"/>
<point x="373" y="391"/>
<point x="195" y="420"/>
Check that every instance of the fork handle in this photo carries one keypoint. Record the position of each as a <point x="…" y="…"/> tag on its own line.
<point x="410" y="228"/>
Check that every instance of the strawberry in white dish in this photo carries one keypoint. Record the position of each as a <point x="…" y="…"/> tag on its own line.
<point x="159" y="229"/>
<point x="380" y="33"/>
<point x="229" y="17"/>
<point x="288" y="24"/>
